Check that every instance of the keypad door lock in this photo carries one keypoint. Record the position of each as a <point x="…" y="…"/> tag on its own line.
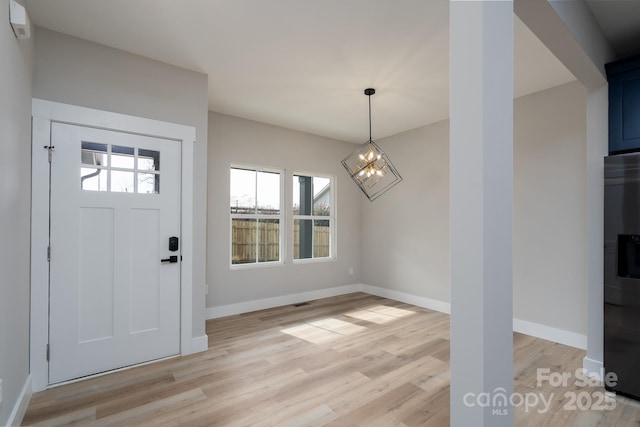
<point x="173" y="243"/>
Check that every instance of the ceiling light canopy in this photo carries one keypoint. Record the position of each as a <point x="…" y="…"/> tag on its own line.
<point x="369" y="166"/>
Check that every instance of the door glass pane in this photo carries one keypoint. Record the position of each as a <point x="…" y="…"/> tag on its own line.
<point x="122" y="157"/>
<point x="268" y="240"/>
<point x="268" y="193"/>
<point x="93" y="179"/>
<point x="148" y="160"/>
<point x="122" y="182"/>
<point x="148" y="183"/>
<point x="243" y="246"/>
<point x="93" y="154"/>
<point x="242" y="191"/>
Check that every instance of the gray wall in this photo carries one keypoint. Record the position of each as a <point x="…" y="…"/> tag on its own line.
<point x="409" y="252"/>
<point x="235" y="140"/>
<point x="550" y="264"/>
<point x="78" y="72"/>
<point x="15" y="205"/>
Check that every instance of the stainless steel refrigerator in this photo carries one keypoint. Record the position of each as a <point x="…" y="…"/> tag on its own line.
<point x="622" y="272"/>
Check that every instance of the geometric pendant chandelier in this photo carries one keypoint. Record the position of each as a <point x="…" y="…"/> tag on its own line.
<point x="369" y="166"/>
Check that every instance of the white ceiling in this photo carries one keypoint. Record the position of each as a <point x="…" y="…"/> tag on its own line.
<point x="301" y="64"/>
<point x="620" y="23"/>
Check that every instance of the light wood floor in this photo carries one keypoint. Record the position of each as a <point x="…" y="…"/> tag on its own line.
<point x="353" y="360"/>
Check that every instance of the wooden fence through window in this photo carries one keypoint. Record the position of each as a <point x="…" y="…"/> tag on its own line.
<point x="245" y="235"/>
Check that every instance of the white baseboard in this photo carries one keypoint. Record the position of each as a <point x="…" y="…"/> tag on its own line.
<point x="549" y="333"/>
<point x="20" y="408"/>
<point x="537" y="330"/>
<point x="199" y="344"/>
<point x="262" y="304"/>
<point x="428" y="303"/>
<point x="594" y="368"/>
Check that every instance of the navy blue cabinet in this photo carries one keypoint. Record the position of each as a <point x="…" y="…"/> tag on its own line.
<point x="624" y="105"/>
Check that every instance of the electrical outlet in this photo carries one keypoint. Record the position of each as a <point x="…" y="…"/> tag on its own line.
<point x="350" y="271"/>
<point x="0" y="392"/>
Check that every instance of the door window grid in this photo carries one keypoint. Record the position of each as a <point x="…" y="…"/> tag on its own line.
<point x="114" y="168"/>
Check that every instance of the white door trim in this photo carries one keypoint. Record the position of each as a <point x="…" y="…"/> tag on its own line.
<point x="44" y="113"/>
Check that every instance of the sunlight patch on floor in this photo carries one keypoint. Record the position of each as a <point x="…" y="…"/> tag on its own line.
<point x="323" y="331"/>
<point x="380" y="314"/>
<point x="339" y="326"/>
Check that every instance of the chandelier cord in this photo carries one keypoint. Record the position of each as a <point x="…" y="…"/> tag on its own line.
<point x="369" y="117"/>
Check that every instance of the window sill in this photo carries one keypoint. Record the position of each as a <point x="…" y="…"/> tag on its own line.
<point x="251" y="266"/>
<point x="313" y="260"/>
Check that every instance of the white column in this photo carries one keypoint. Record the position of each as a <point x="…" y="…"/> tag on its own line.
<point x="481" y="151"/>
<point x="597" y="149"/>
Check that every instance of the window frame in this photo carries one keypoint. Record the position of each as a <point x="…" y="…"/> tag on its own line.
<point x="332" y="217"/>
<point x="281" y="217"/>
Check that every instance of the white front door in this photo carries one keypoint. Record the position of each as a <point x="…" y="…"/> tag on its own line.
<point x="114" y="205"/>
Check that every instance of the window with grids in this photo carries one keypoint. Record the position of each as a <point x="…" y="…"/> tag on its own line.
<point x="256" y="215"/>
<point x="313" y="217"/>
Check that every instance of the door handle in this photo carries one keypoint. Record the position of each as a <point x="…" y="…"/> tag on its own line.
<point x="172" y="259"/>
